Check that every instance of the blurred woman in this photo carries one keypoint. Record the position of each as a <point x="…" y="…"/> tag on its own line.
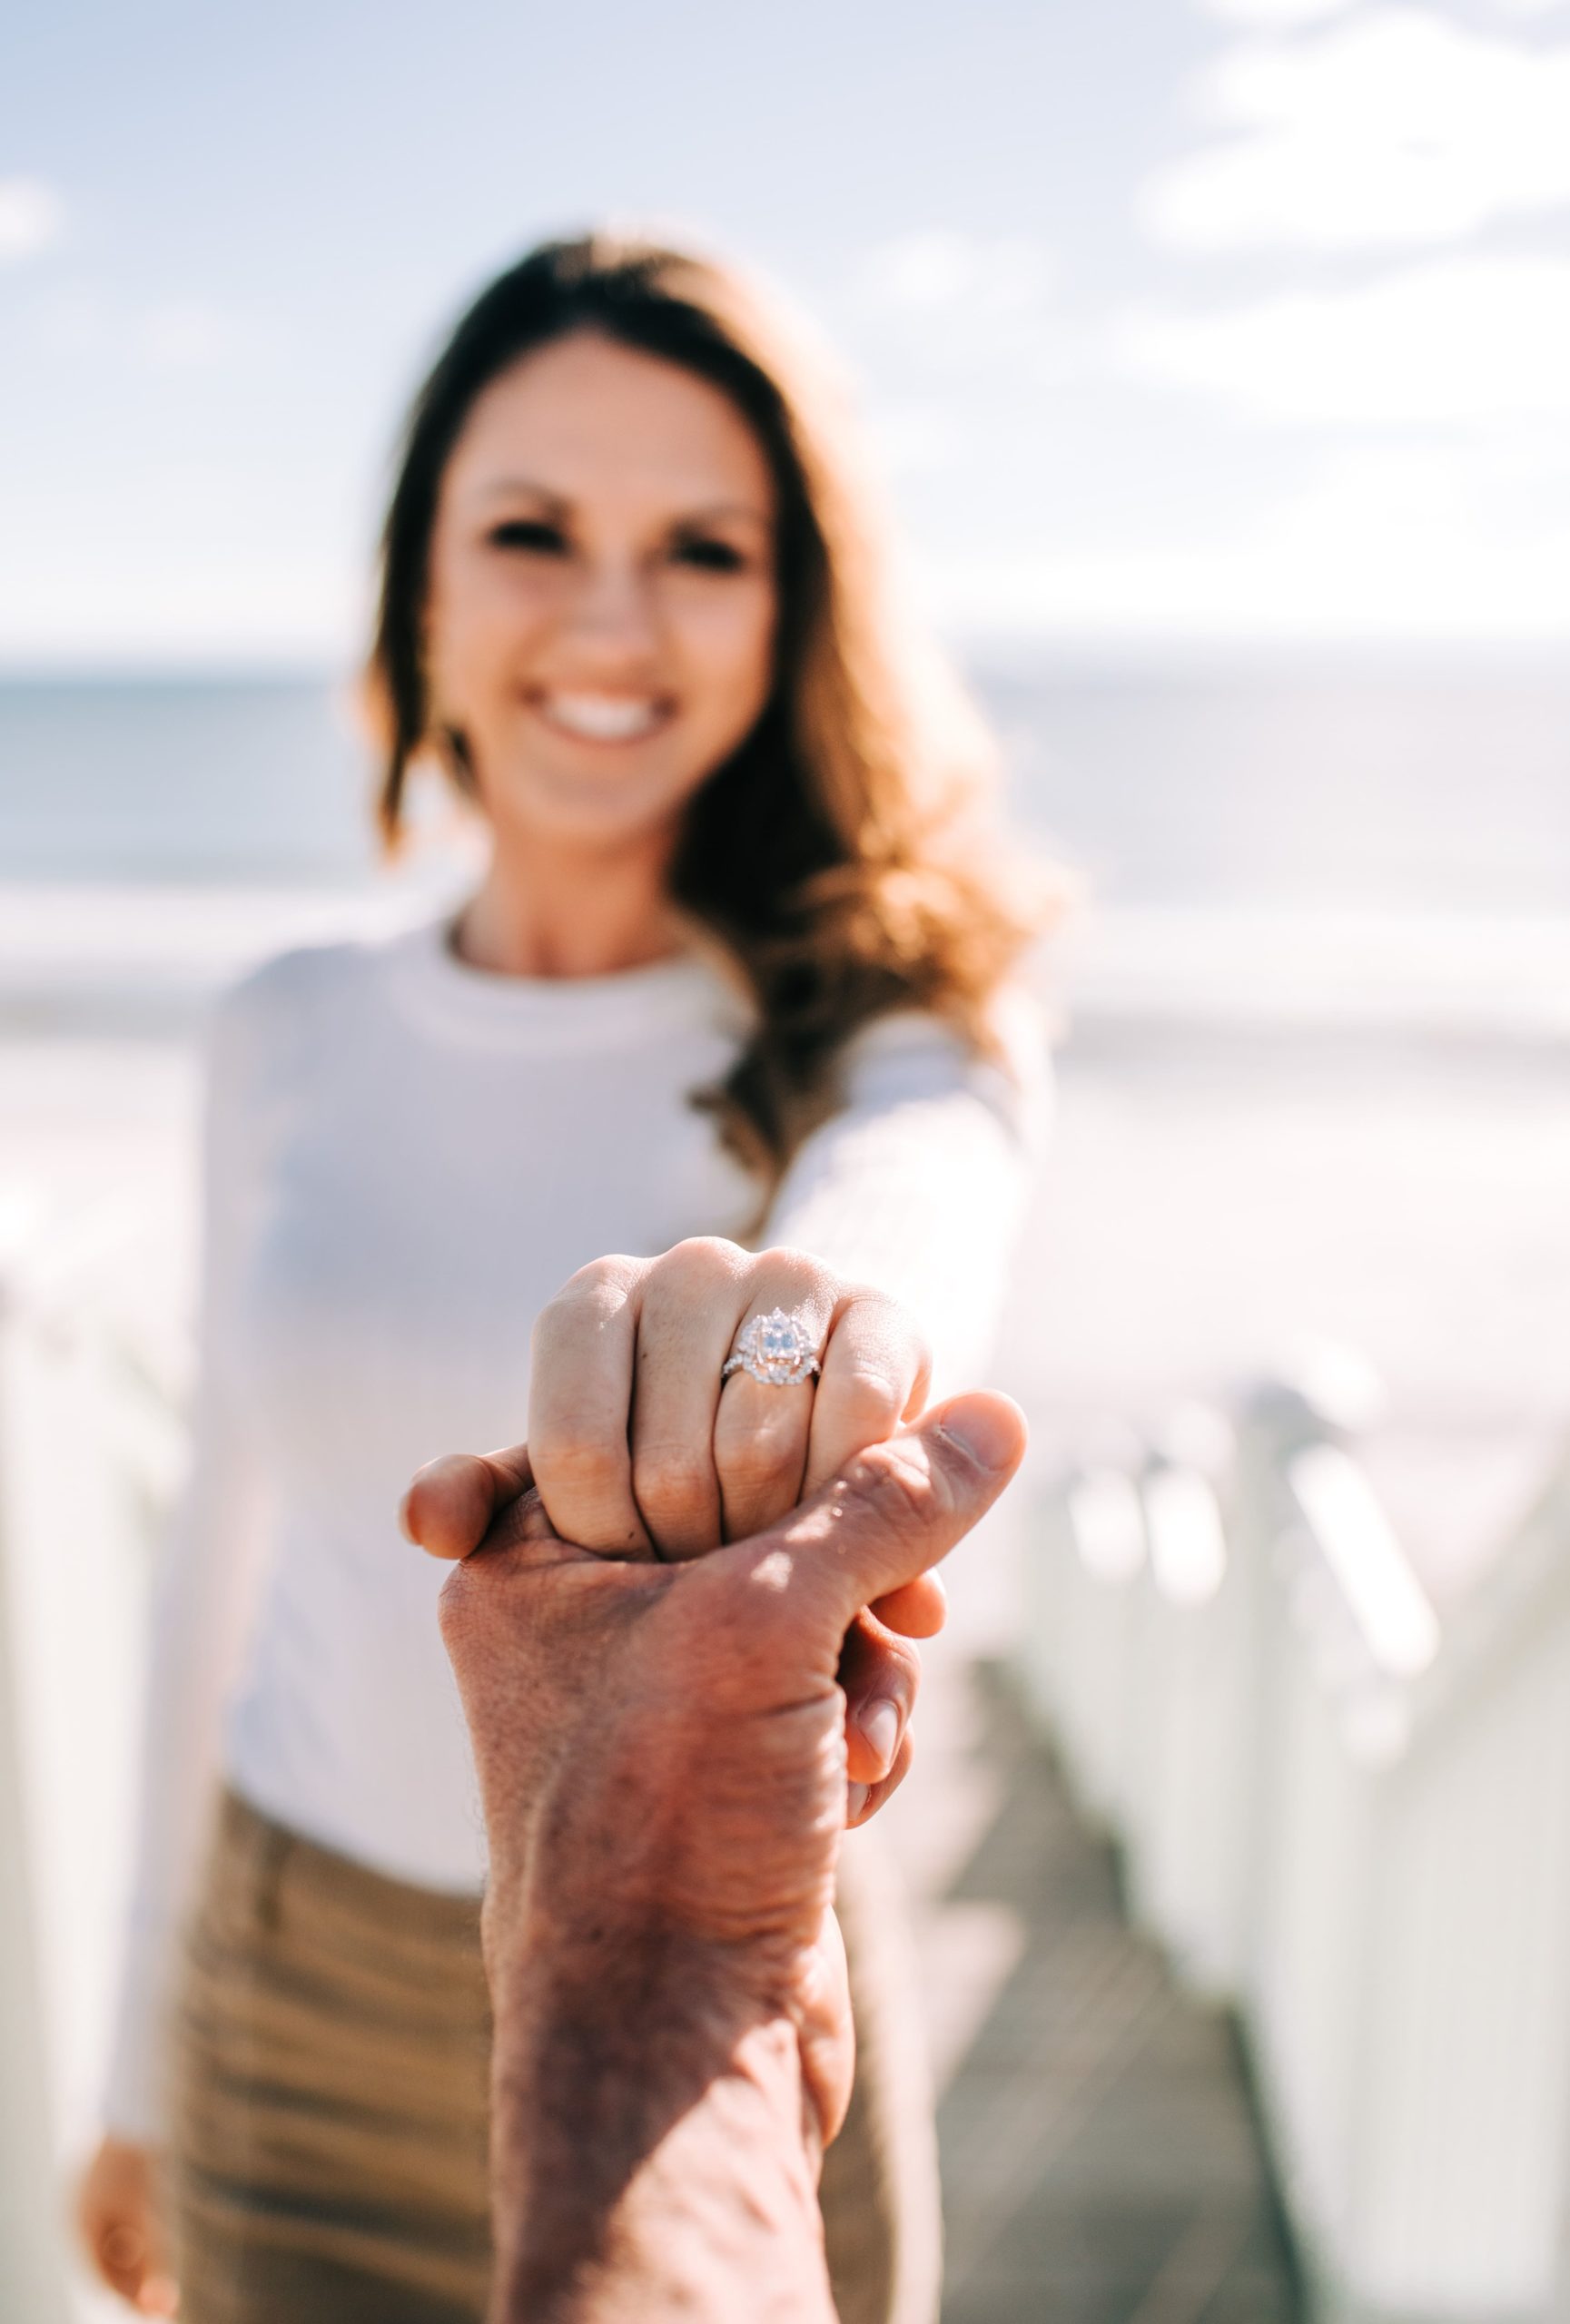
<point x="724" y="1029"/>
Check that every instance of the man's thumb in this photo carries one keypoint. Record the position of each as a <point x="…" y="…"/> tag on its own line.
<point x="897" y="1508"/>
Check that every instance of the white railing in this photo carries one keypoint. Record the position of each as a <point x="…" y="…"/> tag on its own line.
<point x="32" y="2239"/>
<point x="88" y="1449"/>
<point x="1352" y="1823"/>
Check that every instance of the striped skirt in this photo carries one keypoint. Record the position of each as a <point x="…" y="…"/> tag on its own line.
<point x="332" y="2062"/>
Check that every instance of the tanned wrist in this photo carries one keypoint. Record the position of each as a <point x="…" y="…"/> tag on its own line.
<point x="654" y="2153"/>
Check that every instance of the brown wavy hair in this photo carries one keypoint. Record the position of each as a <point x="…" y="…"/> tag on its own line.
<point x="843" y="855"/>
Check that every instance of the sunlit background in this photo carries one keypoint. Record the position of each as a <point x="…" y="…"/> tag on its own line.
<point x="1244" y="319"/>
<point x="1217" y="355"/>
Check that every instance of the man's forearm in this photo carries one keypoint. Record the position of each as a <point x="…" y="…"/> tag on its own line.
<point x="652" y="2153"/>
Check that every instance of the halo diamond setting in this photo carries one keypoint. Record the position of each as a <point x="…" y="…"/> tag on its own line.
<point x="776" y="1349"/>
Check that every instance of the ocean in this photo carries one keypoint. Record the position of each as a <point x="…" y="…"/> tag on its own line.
<point x="1382" y="787"/>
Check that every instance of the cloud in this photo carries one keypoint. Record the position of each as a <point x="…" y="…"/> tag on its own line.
<point x="1455" y="341"/>
<point x="1291" y="16"/>
<point x="1399" y="128"/>
<point x="1279" y="16"/>
<point x="31" y="218"/>
<point x="1386" y="541"/>
<point x="942" y="271"/>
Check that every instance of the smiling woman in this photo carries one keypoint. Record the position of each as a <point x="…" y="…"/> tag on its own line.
<point x="739" y="878"/>
<point x="630" y="492"/>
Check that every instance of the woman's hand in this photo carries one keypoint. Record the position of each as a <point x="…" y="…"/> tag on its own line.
<point x="638" y="1448"/>
<point x="121" y="2223"/>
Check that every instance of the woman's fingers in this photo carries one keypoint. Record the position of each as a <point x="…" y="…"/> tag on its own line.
<point x="122" y="2227"/>
<point x="881" y="1674"/>
<point x="876" y="1373"/>
<point x="119" y="2255"/>
<point x="763" y="1430"/>
<point x="693" y="1300"/>
<point x="636" y="1443"/>
<point x="579" y="1399"/>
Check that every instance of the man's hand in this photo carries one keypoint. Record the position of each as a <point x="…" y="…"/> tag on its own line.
<point x="662" y="1763"/>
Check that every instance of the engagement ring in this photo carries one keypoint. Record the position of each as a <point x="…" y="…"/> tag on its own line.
<point x="776" y="1349"/>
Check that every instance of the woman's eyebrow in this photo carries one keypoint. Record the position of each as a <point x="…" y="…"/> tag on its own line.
<point x="720" y="511"/>
<point x="514" y="487"/>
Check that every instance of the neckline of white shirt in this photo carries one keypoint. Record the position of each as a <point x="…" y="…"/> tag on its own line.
<point x="449" y="995"/>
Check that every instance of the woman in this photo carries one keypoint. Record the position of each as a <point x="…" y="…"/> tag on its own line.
<point x="733" y="971"/>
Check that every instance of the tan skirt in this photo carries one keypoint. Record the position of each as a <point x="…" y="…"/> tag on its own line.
<point x="331" y="2065"/>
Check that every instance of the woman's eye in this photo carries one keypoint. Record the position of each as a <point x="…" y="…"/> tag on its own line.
<point x="710" y="556"/>
<point x="529" y="533"/>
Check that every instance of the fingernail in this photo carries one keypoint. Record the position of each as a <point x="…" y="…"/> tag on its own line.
<point x="856" y="1799"/>
<point x="404" y="1527"/>
<point x="880" y="1723"/>
<point x="987" y="1430"/>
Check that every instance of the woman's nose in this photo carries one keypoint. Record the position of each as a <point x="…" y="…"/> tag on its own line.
<point x="613" y="610"/>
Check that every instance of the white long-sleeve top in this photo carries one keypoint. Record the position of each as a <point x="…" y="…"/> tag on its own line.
<point x="405" y="1159"/>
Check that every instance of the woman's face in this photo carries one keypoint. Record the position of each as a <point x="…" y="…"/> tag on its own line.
<point x="602" y="604"/>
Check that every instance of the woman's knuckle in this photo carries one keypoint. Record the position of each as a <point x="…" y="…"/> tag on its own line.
<point x="702" y="1258"/>
<point x="796" y="1279"/>
<point x="759" y="1447"/>
<point x="754" y="1476"/>
<point x="612" y="1276"/>
<point x="748" y="1469"/>
<point x="581" y="1462"/>
<point x="588" y="1300"/>
<point x="870" y="1397"/>
<point x="670" y="1476"/>
<point x="790" y="1254"/>
<point x="886" y="1322"/>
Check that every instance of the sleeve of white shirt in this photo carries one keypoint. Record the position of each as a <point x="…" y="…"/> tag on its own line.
<point x="204" y="1595"/>
<point x="919" y="1185"/>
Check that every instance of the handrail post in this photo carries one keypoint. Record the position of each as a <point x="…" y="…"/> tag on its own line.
<point x="33" y="2258"/>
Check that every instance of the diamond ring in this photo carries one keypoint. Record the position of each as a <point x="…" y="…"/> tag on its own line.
<point x="776" y="1349"/>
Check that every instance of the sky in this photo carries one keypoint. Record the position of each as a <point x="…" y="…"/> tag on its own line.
<point x="1173" y="319"/>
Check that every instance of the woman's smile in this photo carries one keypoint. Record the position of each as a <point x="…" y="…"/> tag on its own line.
<point x="600" y="718"/>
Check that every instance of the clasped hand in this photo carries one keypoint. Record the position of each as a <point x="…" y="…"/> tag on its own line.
<point x="637" y="1449"/>
<point x="662" y="1740"/>
<point x="659" y="1745"/>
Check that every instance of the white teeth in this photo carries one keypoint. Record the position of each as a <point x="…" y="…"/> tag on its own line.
<point x="602" y="718"/>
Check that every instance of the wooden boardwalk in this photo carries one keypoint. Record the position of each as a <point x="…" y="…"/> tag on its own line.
<point x="1100" y="2161"/>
